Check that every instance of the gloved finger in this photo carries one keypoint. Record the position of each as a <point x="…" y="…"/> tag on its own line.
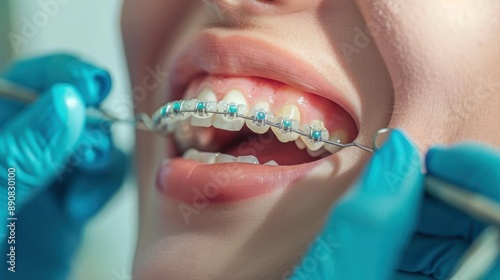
<point x="402" y="275"/>
<point x="472" y="166"/>
<point x="38" y="141"/>
<point x="433" y="256"/>
<point x="373" y="221"/>
<point x="94" y="149"/>
<point x="93" y="83"/>
<point x="494" y="273"/>
<point x="381" y="211"/>
<point x="8" y="109"/>
<point x="442" y="220"/>
<point x="89" y="189"/>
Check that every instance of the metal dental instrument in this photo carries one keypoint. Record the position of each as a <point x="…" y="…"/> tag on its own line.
<point x="23" y="94"/>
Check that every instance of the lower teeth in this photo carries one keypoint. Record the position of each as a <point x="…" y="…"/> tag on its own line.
<point x="211" y="158"/>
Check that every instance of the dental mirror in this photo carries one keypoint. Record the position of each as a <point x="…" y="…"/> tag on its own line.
<point x="381" y="137"/>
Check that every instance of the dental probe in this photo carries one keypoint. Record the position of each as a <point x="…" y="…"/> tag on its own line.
<point x="12" y="91"/>
<point x="480" y="257"/>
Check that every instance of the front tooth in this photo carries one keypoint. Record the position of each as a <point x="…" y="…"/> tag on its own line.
<point x="338" y="136"/>
<point x="179" y="107"/>
<point x="223" y="158"/>
<point x="316" y="131"/>
<point x="271" y="162"/>
<point x="247" y="159"/>
<point x="191" y="154"/>
<point x="261" y="113"/>
<point x="207" y="158"/>
<point x="285" y="114"/>
<point x="235" y="102"/>
<point x="200" y="119"/>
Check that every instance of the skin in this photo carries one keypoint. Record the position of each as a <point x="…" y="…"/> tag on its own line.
<point x="429" y="67"/>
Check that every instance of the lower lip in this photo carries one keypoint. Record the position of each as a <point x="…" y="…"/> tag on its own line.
<point x="194" y="183"/>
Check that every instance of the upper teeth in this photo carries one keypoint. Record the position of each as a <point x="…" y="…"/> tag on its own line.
<point x="315" y="133"/>
<point x="231" y="113"/>
<point x="233" y="105"/>
<point x="289" y="119"/>
<point x="261" y="114"/>
<point x="206" y="102"/>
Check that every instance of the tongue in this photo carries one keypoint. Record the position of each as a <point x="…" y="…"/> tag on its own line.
<point x="267" y="147"/>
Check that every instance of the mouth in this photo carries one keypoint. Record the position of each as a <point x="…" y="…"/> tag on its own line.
<point x="220" y="158"/>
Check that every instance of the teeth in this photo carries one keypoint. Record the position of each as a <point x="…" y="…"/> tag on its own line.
<point x="206" y="100"/>
<point x="271" y="162"/>
<point x="317" y="153"/>
<point x="261" y="113"/>
<point x="233" y="103"/>
<point x="300" y="144"/>
<point x="202" y="157"/>
<point x="210" y="158"/>
<point x="247" y="159"/>
<point x="223" y="158"/>
<point x="338" y="136"/>
<point x="288" y="115"/>
<point x="191" y="154"/>
<point x="316" y="131"/>
<point x="184" y="134"/>
<point x="177" y="107"/>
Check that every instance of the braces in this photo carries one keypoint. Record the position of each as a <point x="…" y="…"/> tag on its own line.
<point x="182" y="109"/>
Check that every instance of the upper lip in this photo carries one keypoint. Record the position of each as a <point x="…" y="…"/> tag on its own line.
<point x="239" y="55"/>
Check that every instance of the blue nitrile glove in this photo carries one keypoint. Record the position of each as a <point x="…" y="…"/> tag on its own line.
<point x="444" y="233"/>
<point x="65" y="169"/>
<point x="368" y="230"/>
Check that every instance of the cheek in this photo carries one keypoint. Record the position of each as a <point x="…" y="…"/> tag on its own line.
<point x="438" y="53"/>
<point x="443" y="36"/>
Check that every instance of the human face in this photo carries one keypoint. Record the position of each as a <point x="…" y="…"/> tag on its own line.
<point x="429" y="67"/>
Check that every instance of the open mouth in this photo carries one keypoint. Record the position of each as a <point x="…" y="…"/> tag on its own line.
<point x="216" y="138"/>
<point x="223" y="158"/>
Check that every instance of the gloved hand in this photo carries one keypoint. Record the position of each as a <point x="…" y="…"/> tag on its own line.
<point x="65" y="169"/>
<point x="365" y="236"/>
<point x="369" y="228"/>
<point x="444" y="233"/>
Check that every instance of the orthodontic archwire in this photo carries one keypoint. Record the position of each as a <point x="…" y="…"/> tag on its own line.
<point x="182" y="109"/>
<point x="205" y="109"/>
